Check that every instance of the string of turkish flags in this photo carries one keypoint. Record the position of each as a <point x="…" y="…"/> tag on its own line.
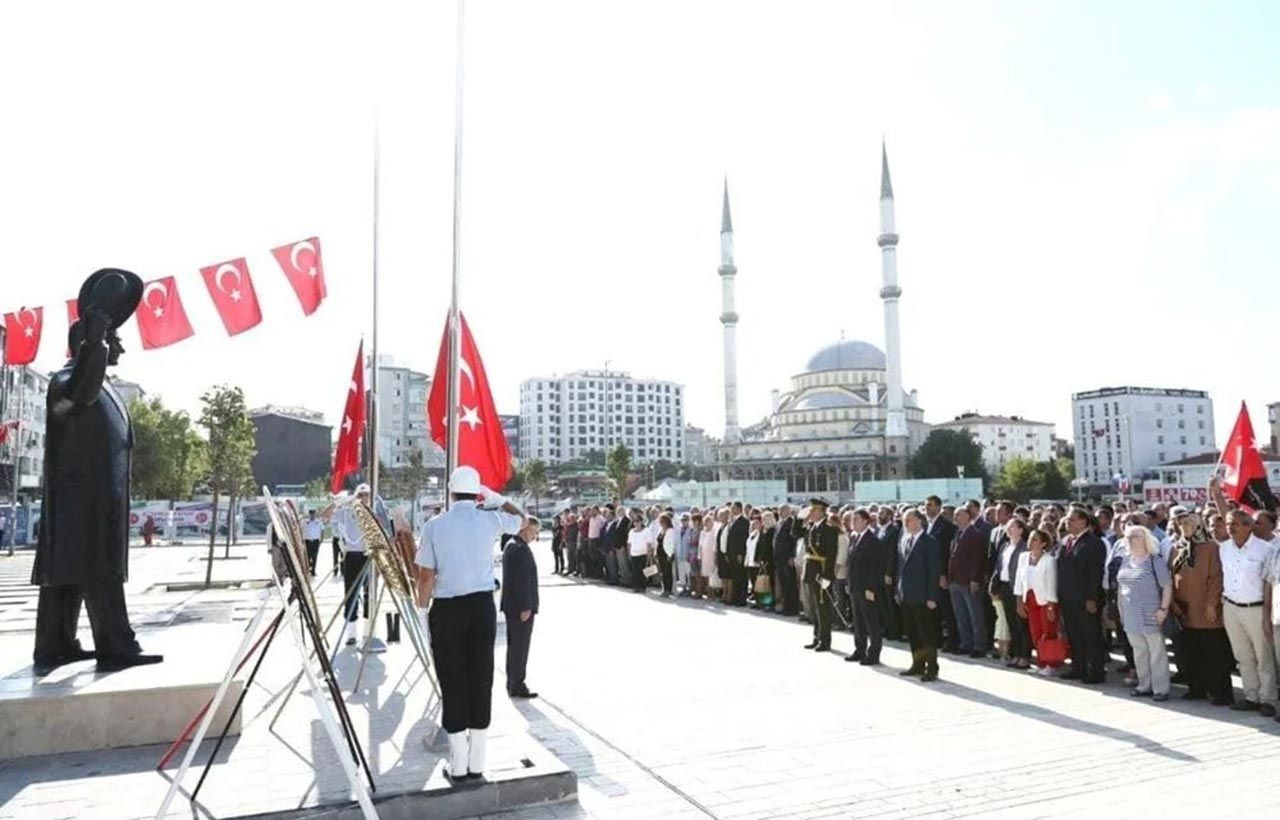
<point x="160" y="316"/>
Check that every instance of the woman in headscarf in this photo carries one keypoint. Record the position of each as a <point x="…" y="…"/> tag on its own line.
<point x="1197" y="604"/>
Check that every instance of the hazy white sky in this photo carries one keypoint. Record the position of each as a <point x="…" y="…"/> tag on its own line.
<point x="1086" y="195"/>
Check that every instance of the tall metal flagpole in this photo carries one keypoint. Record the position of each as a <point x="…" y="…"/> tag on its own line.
<point x="371" y="642"/>
<point x="17" y="456"/>
<point x="455" y="335"/>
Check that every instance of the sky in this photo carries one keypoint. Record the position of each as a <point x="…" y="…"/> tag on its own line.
<point x="1086" y="192"/>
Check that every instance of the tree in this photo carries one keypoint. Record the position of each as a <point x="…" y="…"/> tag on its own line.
<point x="231" y="449"/>
<point x="535" y="479"/>
<point x="1053" y="484"/>
<point x="596" y="458"/>
<point x="168" y="453"/>
<point x="945" y="450"/>
<point x="619" y="468"/>
<point x="662" y="468"/>
<point x="1067" y="466"/>
<point x="317" y="487"/>
<point x="1021" y="479"/>
<point x="405" y="481"/>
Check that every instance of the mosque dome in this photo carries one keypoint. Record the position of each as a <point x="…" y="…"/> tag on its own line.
<point x="848" y="354"/>
<point x="826" y="400"/>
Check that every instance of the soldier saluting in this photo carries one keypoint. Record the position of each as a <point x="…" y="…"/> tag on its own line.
<point x="821" y="543"/>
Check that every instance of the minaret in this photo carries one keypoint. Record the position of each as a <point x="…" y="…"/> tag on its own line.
<point x="729" y="319"/>
<point x="896" y="419"/>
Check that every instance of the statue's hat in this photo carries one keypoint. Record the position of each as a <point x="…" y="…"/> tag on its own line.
<point x="113" y="290"/>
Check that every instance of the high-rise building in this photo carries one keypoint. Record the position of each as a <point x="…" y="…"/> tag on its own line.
<point x="1128" y="431"/>
<point x="402" y="417"/>
<point x="1004" y="438"/>
<point x="27" y="440"/>
<point x="293" y="446"/>
<point x="1273" y="419"/>
<point x="563" y="418"/>
<point x="699" y="448"/>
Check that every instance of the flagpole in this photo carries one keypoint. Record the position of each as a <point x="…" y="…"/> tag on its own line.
<point x="17" y="457"/>
<point x="371" y="642"/>
<point x="451" y="439"/>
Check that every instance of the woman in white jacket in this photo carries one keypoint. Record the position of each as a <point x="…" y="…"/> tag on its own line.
<point x="708" y="579"/>
<point x="1036" y="589"/>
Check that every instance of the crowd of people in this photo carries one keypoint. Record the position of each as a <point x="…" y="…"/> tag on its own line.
<point x="1053" y="589"/>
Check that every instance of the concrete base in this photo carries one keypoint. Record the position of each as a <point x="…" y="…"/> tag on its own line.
<point x="76" y="709"/>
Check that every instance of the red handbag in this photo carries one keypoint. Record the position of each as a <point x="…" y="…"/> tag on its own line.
<point x="1052" y="650"/>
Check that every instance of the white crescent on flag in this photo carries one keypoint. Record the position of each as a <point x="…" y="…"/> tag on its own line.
<point x="158" y="309"/>
<point x="293" y="257"/>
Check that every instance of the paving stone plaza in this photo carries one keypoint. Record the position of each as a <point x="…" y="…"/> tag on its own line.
<point x="668" y="708"/>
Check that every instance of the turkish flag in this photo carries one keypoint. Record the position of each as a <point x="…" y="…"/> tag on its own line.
<point x="346" y="459"/>
<point x="5" y="427"/>
<point x="161" y="318"/>
<point x="233" y="295"/>
<point x="22" y="335"/>
<point x="481" y="442"/>
<point x="301" y="263"/>
<point x="1244" y="478"/>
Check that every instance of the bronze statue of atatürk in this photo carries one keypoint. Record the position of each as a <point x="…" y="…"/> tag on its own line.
<point x="82" y="552"/>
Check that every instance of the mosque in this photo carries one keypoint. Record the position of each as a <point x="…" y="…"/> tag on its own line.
<point x="845" y="417"/>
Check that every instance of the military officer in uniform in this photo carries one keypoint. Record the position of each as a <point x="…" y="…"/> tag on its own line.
<point x="821" y="543"/>
<point x="456" y="554"/>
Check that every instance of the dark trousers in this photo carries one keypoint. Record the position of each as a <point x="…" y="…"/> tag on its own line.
<point x="462" y="635"/>
<point x="1019" y="633"/>
<point x="664" y="569"/>
<point x="948" y="629"/>
<point x="58" y="614"/>
<point x="1084" y="636"/>
<point x="739" y="569"/>
<point x="519" y="634"/>
<point x="595" y="558"/>
<point x="866" y="627"/>
<point x="572" y="556"/>
<point x="823" y="613"/>
<point x="352" y="564"/>
<point x="313" y="554"/>
<point x="922" y="634"/>
<point x="611" y="565"/>
<point x="1209" y="659"/>
<point x="890" y="614"/>
<point x="337" y="555"/>
<point x="624" y="567"/>
<point x="788" y="589"/>
<point x="558" y="554"/>
<point x="638" y="581"/>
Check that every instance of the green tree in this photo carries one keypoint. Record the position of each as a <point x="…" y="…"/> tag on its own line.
<point x="168" y="453"/>
<point x="619" y="468"/>
<point x="945" y="450"/>
<point x="535" y="479"/>
<point x="596" y="458"/>
<point x="1053" y="484"/>
<point x="317" y="487"/>
<point x="1067" y="466"/>
<point x="662" y="468"/>
<point x="405" y="481"/>
<point x="225" y="420"/>
<point x="1021" y="479"/>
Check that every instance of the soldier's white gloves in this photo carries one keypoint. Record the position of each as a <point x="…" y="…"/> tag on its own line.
<point x="492" y="500"/>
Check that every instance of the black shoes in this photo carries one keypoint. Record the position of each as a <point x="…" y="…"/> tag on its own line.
<point x="977" y="653"/>
<point x="811" y="645"/>
<point x="912" y="672"/>
<point x="929" y="677"/>
<point x="854" y="658"/>
<point x="1139" y="693"/>
<point x="1246" y="706"/>
<point x="114" y="663"/>
<point x="1267" y="710"/>
<point x="1160" y="697"/>
<point x="870" y="662"/>
<point x="822" y="647"/>
<point x="46" y="665"/>
<point x="522" y="694"/>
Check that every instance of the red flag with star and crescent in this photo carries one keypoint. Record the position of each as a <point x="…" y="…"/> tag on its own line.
<point x="233" y="295"/>
<point x="162" y="321"/>
<point x="22" y="335"/>
<point x="481" y="442"/>
<point x="346" y="458"/>
<point x="1244" y="478"/>
<point x="301" y="264"/>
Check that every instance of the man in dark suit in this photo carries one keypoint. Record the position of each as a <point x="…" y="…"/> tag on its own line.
<point x="1080" y="565"/>
<point x="519" y="603"/>
<point x="821" y="544"/>
<point x="866" y="570"/>
<point x="890" y="533"/>
<point x="607" y="545"/>
<point x="736" y="549"/>
<point x="996" y="539"/>
<point x="943" y="531"/>
<point x="966" y="576"/>
<point x="784" y="558"/>
<point x="919" y="567"/>
<point x="619" y="544"/>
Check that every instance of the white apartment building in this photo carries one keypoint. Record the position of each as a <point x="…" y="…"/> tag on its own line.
<point x="1132" y="430"/>
<point x="1004" y="438"/>
<point x="28" y="440"/>
<point x="402" y="416"/>
<point x="563" y="418"/>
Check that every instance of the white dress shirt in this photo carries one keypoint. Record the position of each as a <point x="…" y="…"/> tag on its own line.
<point x="313" y="529"/>
<point x="1243" y="569"/>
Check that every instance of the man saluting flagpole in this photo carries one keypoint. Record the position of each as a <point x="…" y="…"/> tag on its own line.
<point x="456" y="556"/>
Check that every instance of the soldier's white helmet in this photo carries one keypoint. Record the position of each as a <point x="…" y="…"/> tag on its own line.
<point x="464" y="481"/>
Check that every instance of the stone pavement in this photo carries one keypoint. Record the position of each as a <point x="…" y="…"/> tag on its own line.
<point x="678" y="708"/>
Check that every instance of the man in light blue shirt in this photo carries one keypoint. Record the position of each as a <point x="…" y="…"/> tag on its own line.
<point x="456" y="556"/>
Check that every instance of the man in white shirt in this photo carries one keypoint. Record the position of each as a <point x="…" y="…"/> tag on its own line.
<point x="1246" y="612"/>
<point x="312" y="529"/>
<point x="639" y="545"/>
